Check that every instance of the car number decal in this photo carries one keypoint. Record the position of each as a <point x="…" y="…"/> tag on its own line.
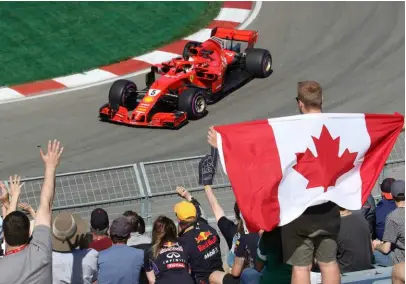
<point x="153" y="92"/>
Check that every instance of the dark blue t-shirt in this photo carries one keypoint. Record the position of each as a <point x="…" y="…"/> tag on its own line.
<point x="383" y="208"/>
<point x="246" y="247"/>
<point x="120" y="264"/>
<point x="170" y="265"/>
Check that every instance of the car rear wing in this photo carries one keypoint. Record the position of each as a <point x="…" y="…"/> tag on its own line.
<point x="248" y="36"/>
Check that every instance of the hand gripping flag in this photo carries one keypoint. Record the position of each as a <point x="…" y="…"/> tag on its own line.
<point x="279" y="167"/>
<point x="208" y="167"/>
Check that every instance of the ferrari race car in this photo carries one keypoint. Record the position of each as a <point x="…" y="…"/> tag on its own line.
<point x="186" y="85"/>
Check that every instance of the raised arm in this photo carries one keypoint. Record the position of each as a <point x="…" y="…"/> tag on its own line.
<point x="182" y="192"/>
<point x="215" y="206"/>
<point x="207" y="171"/>
<point x="51" y="161"/>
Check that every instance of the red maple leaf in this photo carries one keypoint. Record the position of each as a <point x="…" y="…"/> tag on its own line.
<point x="327" y="167"/>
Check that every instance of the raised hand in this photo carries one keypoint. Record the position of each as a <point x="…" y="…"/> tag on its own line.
<point x="52" y="157"/>
<point x="4" y="195"/>
<point x="182" y="192"/>
<point x="207" y="170"/>
<point x="14" y="190"/>
<point x="27" y="207"/>
<point x="15" y="185"/>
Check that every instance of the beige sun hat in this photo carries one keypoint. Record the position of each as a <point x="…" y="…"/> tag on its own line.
<point x="67" y="230"/>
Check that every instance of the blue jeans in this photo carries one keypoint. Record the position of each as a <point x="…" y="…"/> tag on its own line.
<point x="250" y="276"/>
<point x="383" y="259"/>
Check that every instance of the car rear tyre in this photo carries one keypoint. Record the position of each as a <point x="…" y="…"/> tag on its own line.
<point x="258" y="62"/>
<point x="193" y="102"/>
<point x="123" y="93"/>
<point x="187" y="47"/>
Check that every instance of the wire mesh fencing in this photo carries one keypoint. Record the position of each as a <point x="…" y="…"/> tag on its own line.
<point x="79" y="191"/>
<point x="149" y="187"/>
<point x="162" y="177"/>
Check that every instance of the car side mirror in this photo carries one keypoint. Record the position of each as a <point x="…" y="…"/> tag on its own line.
<point x="150" y="78"/>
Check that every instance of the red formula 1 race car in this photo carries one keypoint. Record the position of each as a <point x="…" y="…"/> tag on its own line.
<point x="186" y="85"/>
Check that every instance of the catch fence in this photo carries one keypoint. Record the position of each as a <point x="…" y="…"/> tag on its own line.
<point x="149" y="187"/>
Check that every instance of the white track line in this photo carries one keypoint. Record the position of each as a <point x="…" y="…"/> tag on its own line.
<point x="251" y="17"/>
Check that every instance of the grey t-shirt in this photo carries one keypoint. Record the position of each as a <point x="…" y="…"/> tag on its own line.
<point x="31" y="265"/>
<point x="395" y="233"/>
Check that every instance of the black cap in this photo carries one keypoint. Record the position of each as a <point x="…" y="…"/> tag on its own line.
<point x="398" y="189"/>
<point x="386" y="186"/>
<point x="99" y="219"/>
<point x="121" y="227"/>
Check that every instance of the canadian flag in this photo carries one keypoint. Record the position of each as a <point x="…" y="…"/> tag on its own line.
<point x="279" y="167"/>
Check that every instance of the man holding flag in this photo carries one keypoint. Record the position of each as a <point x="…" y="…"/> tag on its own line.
<point x="299" y="168"/>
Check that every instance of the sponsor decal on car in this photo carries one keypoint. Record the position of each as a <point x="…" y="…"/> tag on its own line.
<point x="153" y="92"/>
<point x="141" y="109"/>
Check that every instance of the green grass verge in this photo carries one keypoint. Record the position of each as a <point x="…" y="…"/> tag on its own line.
<point x="42" y="40"/>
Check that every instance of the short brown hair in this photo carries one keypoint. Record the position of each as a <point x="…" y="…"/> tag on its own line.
<point x="137" y="223"/>
<point x="310" y="94"/>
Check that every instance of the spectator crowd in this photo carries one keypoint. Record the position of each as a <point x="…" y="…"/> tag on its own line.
<point x="325" y="240"/>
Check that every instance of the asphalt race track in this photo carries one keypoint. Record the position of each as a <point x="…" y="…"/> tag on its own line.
<point x="355" y="50"/>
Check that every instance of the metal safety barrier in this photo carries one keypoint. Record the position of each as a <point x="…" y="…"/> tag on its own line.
<point x="149" y="187"/>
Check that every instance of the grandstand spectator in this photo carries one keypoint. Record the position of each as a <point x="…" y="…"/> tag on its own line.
<point x="394" y="233"/>
<point x="30" y="261"/>
<point x="368" y="210"/>
<point x="99" y="226"/>
<point x="354" y="243"/>
<point x="383" y="208"/>
<point x="200" y="242"/>
<point x="207" y="170"/>
<point x="245" y="247"/>
<point x="120" y="264"/>
<point x="72" y="262"/>
<point x="166" y="262"/>
<point x="314" y="233"/>
<point x="138" y="239"/>
<point x="270" y="259"/>
<point x="227" y="227"/>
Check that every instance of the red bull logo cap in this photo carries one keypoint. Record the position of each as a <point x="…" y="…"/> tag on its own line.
<point x="185" y="210"/>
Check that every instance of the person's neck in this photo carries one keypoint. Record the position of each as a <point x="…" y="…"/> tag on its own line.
<point x="120" y="243"/>
<point x="309" y="111"/>
<point x="400" y="204"/>
<point x="98" y="237"/>
<point x="345" y="213"/>
<point x="11" y="248"/>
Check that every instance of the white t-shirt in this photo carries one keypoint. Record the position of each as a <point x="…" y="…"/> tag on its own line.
<point x="79" y="266"/>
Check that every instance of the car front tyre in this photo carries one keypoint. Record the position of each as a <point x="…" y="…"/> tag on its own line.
<point x="193" y="102"/>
